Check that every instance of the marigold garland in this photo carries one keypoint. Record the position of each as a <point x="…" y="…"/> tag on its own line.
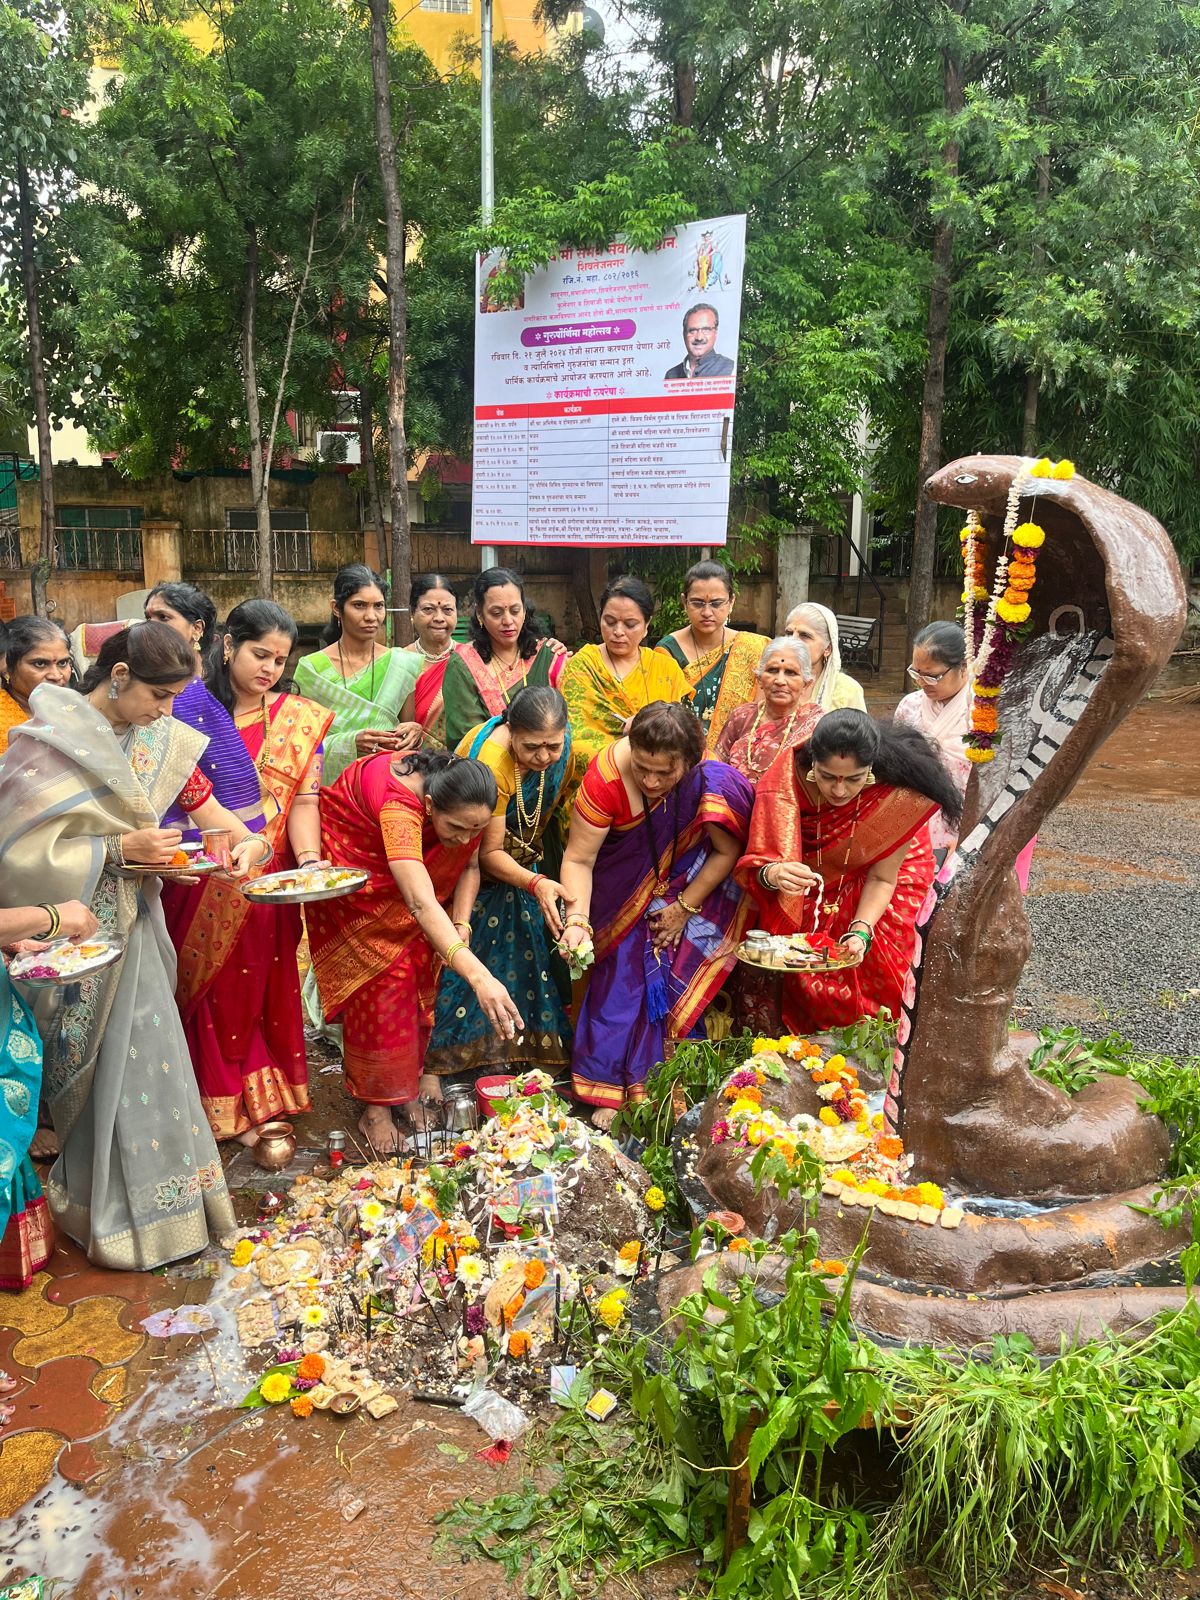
<point x="992" y="638"/>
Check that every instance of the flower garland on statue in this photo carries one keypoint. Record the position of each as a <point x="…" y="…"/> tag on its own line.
<point x="992" y="636"/>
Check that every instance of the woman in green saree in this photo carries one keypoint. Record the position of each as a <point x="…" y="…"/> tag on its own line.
<point x="368" y="687"/>
<point x="138" y="1181"/>
<point x="718" y="661"/>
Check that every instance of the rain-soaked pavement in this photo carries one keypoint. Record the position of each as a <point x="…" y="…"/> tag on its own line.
<point x="125" y="1469"/>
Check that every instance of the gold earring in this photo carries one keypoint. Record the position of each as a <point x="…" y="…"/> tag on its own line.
<point x="812" y="775"/>
<point x="869" y="780"/>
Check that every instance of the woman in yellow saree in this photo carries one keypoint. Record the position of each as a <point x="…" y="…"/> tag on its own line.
<point x="605" y="685"/>
<point x="718" y="661"/>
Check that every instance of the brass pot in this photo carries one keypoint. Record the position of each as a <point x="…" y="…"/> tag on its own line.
<point x="276" y="1145"/>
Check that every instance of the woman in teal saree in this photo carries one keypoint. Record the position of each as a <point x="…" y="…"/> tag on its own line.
<point x="26" y="1232"/>
<point x="516" y="915"/>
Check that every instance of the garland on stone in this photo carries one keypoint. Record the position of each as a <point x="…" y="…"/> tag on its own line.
<point x="992" y="634"/>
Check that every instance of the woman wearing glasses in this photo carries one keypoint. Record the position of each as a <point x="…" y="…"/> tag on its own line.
<point x="940" y="707"/>
<point x="718" y="661"/>
<point x="839" y="838"/>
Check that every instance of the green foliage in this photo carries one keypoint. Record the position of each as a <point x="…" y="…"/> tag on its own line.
<point x="871" y="1042"/>
<point x="1065" y="1057"/>
<point x="697" y="1067"/>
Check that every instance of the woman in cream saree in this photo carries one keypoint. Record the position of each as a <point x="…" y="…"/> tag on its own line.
<point x="138" y="1180"/>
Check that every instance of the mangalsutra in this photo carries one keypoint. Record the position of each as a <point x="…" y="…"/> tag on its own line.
<point x="831" y="907"/>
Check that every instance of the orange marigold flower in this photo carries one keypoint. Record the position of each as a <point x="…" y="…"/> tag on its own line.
<point x="302" y="1406"/>
<point x="986" y="719"/>
<point x="407" y="1202"/>
<point x="891" y="1146"/>
<point x="311" y="1366"/>
<point x="739" y="1244"/>
<point x="519" y="1344"/>
<point x="535" y="1274"/>
<point x="834" y="1269"/>
<point x="912" y="1194"/>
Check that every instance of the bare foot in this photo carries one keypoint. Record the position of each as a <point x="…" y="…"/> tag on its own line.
<point x="249" y="1138"/>
<point x="380" y="1131"/>
<point x="429" y="1092"/>
<point x="603" y="1119"/>
<point x="44" y="1145"/>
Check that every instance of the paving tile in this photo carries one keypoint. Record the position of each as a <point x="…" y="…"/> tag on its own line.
<point x="61" y="1400"/>
<point x="8" y="1362"/>
<point x="28" y="1310"/>
<point x="26" y="1467"/>
<point x="78" y="1463"/>
<point x="90" y="1329"/>
<point x="110" y="1385"/>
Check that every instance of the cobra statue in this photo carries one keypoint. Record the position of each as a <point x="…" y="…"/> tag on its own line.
<point x="1107" y="609"/>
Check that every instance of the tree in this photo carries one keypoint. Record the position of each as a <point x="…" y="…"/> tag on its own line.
<point x="234" y="213"/>
<point x="44" y="47"/>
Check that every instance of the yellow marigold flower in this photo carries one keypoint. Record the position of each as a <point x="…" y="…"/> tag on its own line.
<point x="757" y="1132"/>
<point x="1064" y="471"/>
<point x="1029" y="536"/>
<point x="611" y="1308"/>
<point x="976" y="594"/>
<point x="275" y="1388"/>
<point x="1041" y="468"/>
<point x="1007" y="612"/>
<point x="930" y="1195"/>
<point x="974" y="753"/>
<point x="835" y="1063"/>
<point x="468" y="1242"/>
<point x="875" y="1186"/>
<point x="877" y="1120"/>
<point x="243" y="1253"/>
<point x="829" y="1117"/>
<point x="844" y="1175"/>
<point x="990" y="691"/>
<point x="762" y="1046"/>
<point x="655" y="1199"/>
<point x="743" y="1103"/>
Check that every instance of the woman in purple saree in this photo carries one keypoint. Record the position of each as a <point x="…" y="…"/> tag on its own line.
<point x="655" y="834"/>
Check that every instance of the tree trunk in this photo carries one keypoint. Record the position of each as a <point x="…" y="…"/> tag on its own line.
<point x="385" y="138"/>
<point x="684" y="84"/>
<point x="47" y="557"/>
<point x="366" y="447"/>
<point x="259" y="481"/>
<point x="1032" y="381"/>
<point x="933" y="396"/>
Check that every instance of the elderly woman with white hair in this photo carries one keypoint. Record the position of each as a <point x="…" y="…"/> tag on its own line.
<point x="782" y="715"/>
<point x="816" y="626"/>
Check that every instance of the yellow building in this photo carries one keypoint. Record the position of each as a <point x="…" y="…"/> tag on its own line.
<point x="441" y="27"/>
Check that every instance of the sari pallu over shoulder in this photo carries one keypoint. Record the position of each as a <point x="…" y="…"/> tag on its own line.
<point x="842" y="843"/>
<point x="211" y="927"/>
<point x="355" y="707"/>
<point x="225" y="761"/>
<point x="472" y="691"/>
<point x="138" y="1181"/>
<point x="601" y="704"/>
<point x="356" y="938"/>
<point x="727" y="683"/>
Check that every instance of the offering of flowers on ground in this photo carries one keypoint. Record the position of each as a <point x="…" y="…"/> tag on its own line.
<point x="821" y="1109"/>
<point x="486" y="1263"/>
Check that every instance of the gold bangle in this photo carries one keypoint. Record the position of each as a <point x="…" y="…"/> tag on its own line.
<point x="465" y="925"/>
<point x="459" y="944"/>
<point x="692" y="911"/>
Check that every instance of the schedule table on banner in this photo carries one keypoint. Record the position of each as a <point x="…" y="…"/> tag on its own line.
<point x="604" y="398"/>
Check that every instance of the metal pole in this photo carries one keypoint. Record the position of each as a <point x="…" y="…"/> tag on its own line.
<point x="488" y="554"/>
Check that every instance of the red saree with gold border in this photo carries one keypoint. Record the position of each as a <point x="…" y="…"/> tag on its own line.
<point x="238" y="986"/>
<point x="842" y="843"/>
<point x="375" y="969"/>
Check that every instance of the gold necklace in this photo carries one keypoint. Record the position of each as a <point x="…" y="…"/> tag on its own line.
<point x="756" y="770"/>
<point x="243" y="716"/>
<point x="499" y="676"/>
<point x="714" y="650"/>
<point x="528" y="822"/>
<point x="832" y="907"/>
<point x="606" y="655"/>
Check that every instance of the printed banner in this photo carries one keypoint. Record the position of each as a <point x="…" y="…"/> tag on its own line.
<point x="604" y="398"/>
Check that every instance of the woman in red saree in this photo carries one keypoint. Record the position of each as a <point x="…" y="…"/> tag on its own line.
<point x="840" y="839"/>
<point x="413" y="823"/>
<point x="238" y="985"/>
